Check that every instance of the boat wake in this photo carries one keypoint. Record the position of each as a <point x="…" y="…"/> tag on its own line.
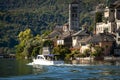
<point x="32" y="64"/>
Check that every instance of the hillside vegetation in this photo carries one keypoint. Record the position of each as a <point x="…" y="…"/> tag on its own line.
<point x="39" y="16"/>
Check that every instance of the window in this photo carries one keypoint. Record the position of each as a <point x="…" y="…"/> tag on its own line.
<point x="82" y="44"/>
<point x="74" y="9"/>
<point x="74" y="37"/>
<point x="118" y="39"/>
<point x="119" y="33"/>
<point x="72" y="15"/>
<point x="75" y="15"/>
<point x="118" y="14"/>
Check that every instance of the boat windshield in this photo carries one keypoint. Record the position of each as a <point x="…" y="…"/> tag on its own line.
<point x="49" y="57"/>
<point x="40" y="57"/>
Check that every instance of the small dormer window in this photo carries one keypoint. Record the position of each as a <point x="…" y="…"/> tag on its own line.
<point x="118" y="39"/>
<point x="119" y="33"/>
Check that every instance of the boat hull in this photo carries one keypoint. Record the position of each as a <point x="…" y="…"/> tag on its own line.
<point x="46" y="62"/>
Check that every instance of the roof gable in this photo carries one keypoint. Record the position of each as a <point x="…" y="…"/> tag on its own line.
<point x="82" y="33"/>
<point x="102" y="37"/>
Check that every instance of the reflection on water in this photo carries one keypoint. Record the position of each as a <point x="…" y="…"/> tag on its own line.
<point x="12" y="67"/>
<point x="18" y="70"/>
<point x="37" y="69"/>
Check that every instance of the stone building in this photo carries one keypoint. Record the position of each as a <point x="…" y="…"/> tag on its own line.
<point x="111" y="21"/>
<point x="61" y="35"/>
<point x="79" y="38"/>
<point x="104" y="40"/>
<point x="74" y="16"/>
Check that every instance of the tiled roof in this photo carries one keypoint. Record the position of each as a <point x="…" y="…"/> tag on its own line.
<point x="58" y="28"/>
<point x="54" y="34"/>
<point x="115" y="4"/>
<point x="85" y="40"/>
<point x="81" y="33"/>
<point x="102" y="37"/>
<point x="65" y="34"/>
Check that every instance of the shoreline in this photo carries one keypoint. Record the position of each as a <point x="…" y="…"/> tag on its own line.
<point x="89" y="60"/>
<point x="105" y="60"/>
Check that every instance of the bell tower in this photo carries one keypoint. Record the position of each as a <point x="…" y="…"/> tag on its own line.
<point x="74" y="16"/>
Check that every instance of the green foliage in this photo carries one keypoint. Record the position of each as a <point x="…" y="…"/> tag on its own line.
<point x="98" y="17"/>
<point x="98" y="51"/>
<point x="46" y="33"/>
<point x="73" y="55"/>
<point x="28" y="45"/>
<point x="61" y="51"/>
<point x="48" y="43"/>
<point x="91" y="28"/>
<point x="35" y="51"/>
<point x="87" y="53"/>
<point x="39" y="16"/>
<point x="25" y="35"/>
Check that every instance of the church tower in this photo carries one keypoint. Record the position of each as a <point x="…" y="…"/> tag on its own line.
<point x="74" y="16"/>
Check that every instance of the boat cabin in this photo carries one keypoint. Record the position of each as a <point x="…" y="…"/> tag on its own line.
<point x="46" y="57"/>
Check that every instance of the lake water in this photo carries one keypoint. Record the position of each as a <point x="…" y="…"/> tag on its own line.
<point x="18" y="70"/>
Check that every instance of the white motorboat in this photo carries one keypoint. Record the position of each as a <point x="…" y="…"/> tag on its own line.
<point x="46" y="60"/>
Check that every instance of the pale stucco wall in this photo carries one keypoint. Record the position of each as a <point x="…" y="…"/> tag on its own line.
<point x="100" y="27"/>
<point x="83" y="48"/>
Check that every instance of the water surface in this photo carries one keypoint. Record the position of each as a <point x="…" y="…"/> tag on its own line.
<point x="18" y="70"/>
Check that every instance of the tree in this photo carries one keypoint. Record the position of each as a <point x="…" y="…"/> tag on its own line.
<point x="35" y="51"/>
<point x="21" y="48"/>
<point x="29" y="46"/>
<point x="61" y="51"/>
<point x="73" y="55"/>
<point x="87" y="53"/>
<point x="98" y="51"/>
<point x="48" y="43"/>
<point x="98" y="17"/>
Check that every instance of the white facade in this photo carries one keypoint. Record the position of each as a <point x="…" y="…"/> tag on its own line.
<point x="74" y="41"/>
<point x="83" y="48"/>
<point x="101" y="27"/>
<point x="111" y="25"/>
<point x="106" y="12"/>
<point x="118" y="24"/>
<point x="118" y="33"/>
<point x="118" y="38"/>
<point x="60" y="42"/>
<point x="46" y="50"/>
<point x="65" y="28"/>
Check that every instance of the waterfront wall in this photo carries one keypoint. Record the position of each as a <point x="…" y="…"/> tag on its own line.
<point x="99" y="60"/>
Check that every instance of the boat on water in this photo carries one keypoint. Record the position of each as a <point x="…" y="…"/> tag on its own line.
<point x="46" y="60"/>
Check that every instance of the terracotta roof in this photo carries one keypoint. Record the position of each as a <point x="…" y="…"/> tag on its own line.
<point x="102" y="37"/>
